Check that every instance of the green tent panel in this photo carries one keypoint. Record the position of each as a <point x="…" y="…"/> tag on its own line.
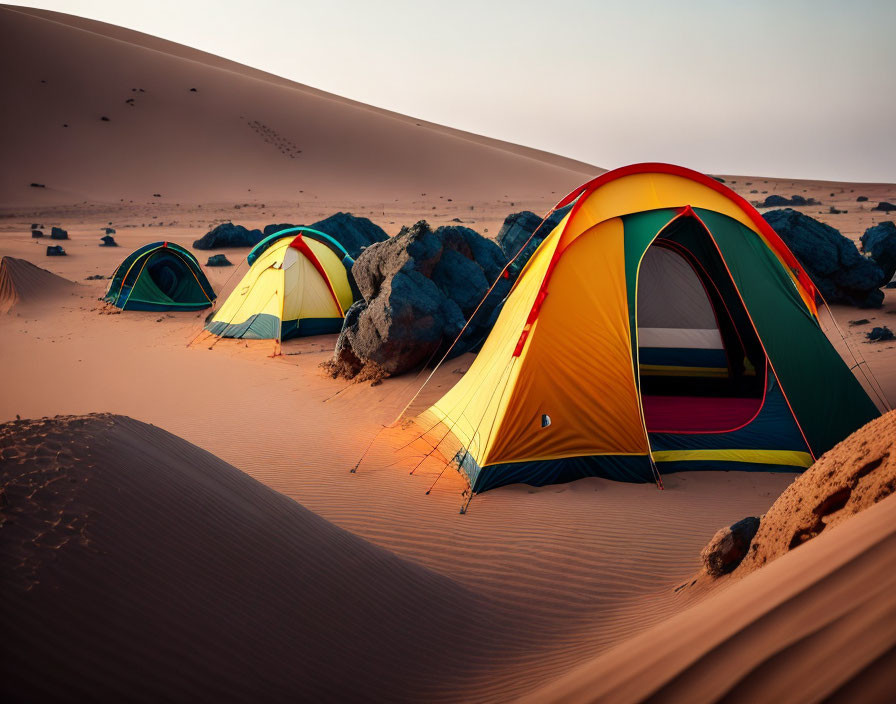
<point x="160" y="276"/>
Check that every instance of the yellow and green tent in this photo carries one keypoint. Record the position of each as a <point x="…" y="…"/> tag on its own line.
<point x="661" y="326"/>
<point x="160" y="276"/>
<point x="299" y="283"/>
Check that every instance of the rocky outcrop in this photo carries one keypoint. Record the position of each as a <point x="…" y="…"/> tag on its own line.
<point x="884" y="206"/>
<point x="517" y="229"/>
<point x="418" y="289"/>
<point x="229" y="235"/>
<point x="218" y="260"/>
<point x="776" y="201"/>
<point x="841" y="274"/>
<point x="729" y="546"/>
<point x="847" y="479"/>
<point x="879" y="242"/>
<point x="353" y="233"/>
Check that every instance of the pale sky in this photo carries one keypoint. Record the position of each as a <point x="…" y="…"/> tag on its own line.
<point x="799" y="88"/>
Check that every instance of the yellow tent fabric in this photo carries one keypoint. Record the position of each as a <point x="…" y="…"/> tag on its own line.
<point x="298" y="286"/>
<point x="556" y="378"/>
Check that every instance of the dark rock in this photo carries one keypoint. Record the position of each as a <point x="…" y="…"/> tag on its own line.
<point x="881" y="334"/>
<point x="776" y="201"/>
<point x="884" y="207"/>
<point x="271" y="229"/>
<point x="861" y="199"/>
<point x="841" y="274"/>
<point x="351" y="232"/>
<point x="879" y="242"/>
<point x="108" y="241"/>
<point x="57" y="233"/>
<point x="95" y="277"/>
<point x="218" y="260"/>
<point x="418" y="289"/>
<point x="229" y="235"/>
<point x="729" y="546"/>
<point x="193" y="90"/>
<point x="861" y="321"/>
<point x="517" y="228"/>
<point x="36" y="226"/>
<point x="104" y="119"/>
<point x="37" y="233"/>
<point x="37" y="185"/>
<point x="109" y="230"/>
<point x="156" y="195"/>
<point x="56" y="251"/>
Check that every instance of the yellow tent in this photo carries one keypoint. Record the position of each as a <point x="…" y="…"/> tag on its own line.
<point x="299" y="283"/>
<point x="719" y="362"/>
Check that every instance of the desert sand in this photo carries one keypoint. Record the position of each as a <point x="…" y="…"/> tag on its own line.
<point x="259" y="565"/>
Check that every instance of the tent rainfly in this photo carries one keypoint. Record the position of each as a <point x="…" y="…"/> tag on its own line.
<point x="299" y="283"/>
<point x="661" y="326"/>
<point x="160" y="276"/>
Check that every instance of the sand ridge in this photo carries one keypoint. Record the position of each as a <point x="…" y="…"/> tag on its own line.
<point x="138" y="566"/>
<point x="815" y="625"/>
<point x="24" y="284"/>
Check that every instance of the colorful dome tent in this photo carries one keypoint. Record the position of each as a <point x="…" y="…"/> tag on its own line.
<point x="661" y="326"/>
<point x="160" y="276"/>
<point x="299" y="283"/>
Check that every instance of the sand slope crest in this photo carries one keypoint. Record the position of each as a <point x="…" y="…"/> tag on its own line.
<point x="23" y="283"/>
<point x="138" y="566"/>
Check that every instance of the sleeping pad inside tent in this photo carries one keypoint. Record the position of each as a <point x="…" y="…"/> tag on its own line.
<point x="661" y="326"/>
<point x="299" y="283"/>
<point x="160" y="276"/>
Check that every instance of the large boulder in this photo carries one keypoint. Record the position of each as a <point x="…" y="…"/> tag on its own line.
<point x="517" y="229"/>
<point x="841" y="274"/>
<point x="57" y="233"/>
<point x="271" y="229"/>
<point x="108" y="241"/>
<point x="729" y="546"/>
<point x="884" y="206"/>
<point x="229" y="235"/>
<point x="56" y="251"/>
<point x="418" y="289"/>
<point x="879" y="242"/>
<point x="353" y="233"/>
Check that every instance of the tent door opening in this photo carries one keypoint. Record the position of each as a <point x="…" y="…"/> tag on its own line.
<point x="701" y="366"/>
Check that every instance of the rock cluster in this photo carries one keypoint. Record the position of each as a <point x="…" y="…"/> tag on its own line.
<point x="840" y="272"/>
<point x="418" y="290"/>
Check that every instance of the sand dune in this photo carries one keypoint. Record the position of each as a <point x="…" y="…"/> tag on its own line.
<point x="137" y="566"/>
<point x="817" y="624"/>
<point x="242" y="134"/>
<point x="24" y="284"/>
